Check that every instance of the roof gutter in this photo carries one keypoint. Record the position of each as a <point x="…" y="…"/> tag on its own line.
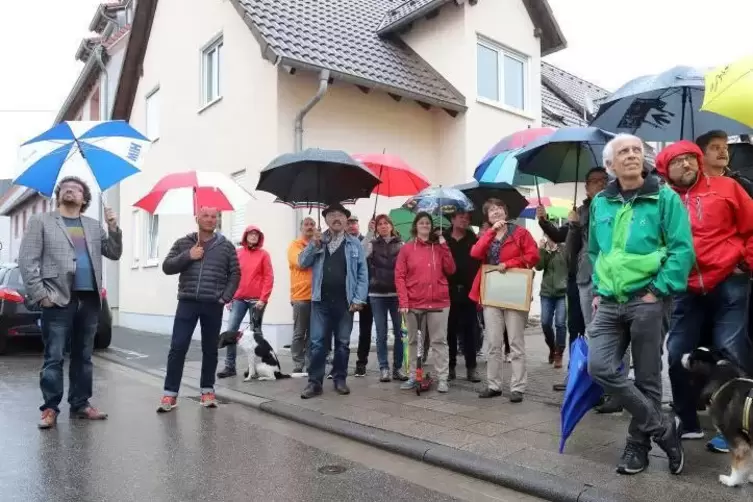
<point x="298" y="140"/>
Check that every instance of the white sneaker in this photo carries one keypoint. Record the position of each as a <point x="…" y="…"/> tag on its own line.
<point x="508" y="358"/>
<point x="443" y="386"/>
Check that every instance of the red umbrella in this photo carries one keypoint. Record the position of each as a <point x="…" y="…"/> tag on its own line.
<point x="397" y="177"/>
<point x="184" y="193"/>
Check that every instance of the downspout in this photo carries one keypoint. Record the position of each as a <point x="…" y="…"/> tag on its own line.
<point x="298" y="145"/>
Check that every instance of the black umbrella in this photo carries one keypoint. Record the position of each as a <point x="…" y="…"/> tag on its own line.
<point x="316" y="176"/>
<point x="480" y="192"/>
<point x="741" y="158"/>
<point x="663" y="107"/>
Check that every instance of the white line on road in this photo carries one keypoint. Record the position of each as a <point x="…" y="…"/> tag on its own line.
<point x="129" y="354"/>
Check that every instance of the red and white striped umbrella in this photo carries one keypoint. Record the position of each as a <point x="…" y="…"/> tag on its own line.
<point x="184" y="193"/>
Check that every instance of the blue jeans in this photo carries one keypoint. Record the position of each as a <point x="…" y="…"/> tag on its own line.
<point x="726" y="307"/>
<point x="238" y="310"/>
<point x="553" y="310"/>
<point x="76" y="323"/>
<point x="380" y="307"/>
<point x="328" y="319"/>
<point x="188" y="313"/>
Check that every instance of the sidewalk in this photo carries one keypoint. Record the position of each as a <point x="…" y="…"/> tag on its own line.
<point x="515" y="445"/>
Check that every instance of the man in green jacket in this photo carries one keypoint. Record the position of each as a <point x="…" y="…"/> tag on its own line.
<point x="553" y="262"/>
<point x="642" y="250"/>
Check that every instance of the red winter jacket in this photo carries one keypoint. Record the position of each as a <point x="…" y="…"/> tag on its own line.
<point x="257" y="277"/>
<point x="518" y="251"/>
<point x="421" y="275"/>
<point x="721" y="219"/>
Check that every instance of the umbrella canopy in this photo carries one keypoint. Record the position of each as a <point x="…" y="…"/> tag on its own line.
<point x="566" y="155"/>
<point x="555" y="207"/>
<point x="503" y="168"/>
<point x="397" y="178"/>
<point x="729" y="91"/>
<point x="316" y="175"/>
<point x="185" y="193"/>
<point x="439" y="201"/>
<point x="741" y="158"/>
<point x="402" y="219"/>
<point x="480" y="192"/>
<point x="311" y="205"/>
<point x="100" y="153"/>
<point x="581" y="394"/>
<point x="663" y="107"/>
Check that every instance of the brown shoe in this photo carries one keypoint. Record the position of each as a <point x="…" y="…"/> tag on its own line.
<point x="89" y="413"/>
<point x="558" y="358"/>
<point x="48" y="420"/>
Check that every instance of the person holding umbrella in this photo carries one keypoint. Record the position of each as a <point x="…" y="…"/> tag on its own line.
<point x="641" y="248"/>
<point x="715" y="150"/>
<point x="505" y="245"/>
<point x="339" y="289"/>
<point x="553" y="289"/>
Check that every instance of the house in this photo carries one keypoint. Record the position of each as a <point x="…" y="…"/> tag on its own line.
<point x="436" y="82"/>
<point x="91" y="98"/>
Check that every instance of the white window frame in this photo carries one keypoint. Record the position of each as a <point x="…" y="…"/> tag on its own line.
<point x="150" y="131"/>
<point x="239" y="215"/>
<point x="136" y="239"/>
<point x="212" y="52"/>
<point x="151" y="241"/>
<point x="503" y="51"/>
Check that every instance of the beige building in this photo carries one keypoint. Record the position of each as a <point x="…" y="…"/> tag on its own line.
<point x="218" y="86"/>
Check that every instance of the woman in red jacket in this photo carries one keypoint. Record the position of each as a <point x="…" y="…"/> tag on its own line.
<point x="505" y="245"/>
<point x="421" y="282"/>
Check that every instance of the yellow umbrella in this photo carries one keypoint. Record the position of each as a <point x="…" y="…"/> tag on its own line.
<point x="729" y="91"/>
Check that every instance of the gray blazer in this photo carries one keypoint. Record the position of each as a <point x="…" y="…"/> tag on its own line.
<point x="47" y="258"/>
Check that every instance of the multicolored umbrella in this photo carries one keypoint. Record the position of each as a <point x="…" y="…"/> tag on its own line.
<point x="497" y="166"/>
<point x="555" y="207"/>
<point x="729" y="91"/>
<point x="186" y="192"/>
<point x="439" y="201"/>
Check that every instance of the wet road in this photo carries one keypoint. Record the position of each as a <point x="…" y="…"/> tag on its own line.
<point x="230" y="454"/>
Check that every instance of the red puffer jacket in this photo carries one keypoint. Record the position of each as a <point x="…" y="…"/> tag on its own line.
<point x="721" y="219"/>
<point x="518" y="251"/>
<point x="421" y="275"/>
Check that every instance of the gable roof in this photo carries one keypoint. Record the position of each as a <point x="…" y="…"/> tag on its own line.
<point x="564" y="96"/>
<point x="342" y="37"/>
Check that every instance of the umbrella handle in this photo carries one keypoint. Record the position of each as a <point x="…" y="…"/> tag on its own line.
<point x="538" y="191"/>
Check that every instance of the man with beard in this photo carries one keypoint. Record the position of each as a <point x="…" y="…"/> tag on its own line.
<point x="721" y="218"/>
<point x="60" y="262"/>
<point x="715" y="150"/>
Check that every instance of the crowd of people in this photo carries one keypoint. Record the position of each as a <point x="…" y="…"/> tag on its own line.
<point x="650" y="255"/>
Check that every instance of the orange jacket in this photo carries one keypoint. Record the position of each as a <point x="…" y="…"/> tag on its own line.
<point x="300" y="278"/>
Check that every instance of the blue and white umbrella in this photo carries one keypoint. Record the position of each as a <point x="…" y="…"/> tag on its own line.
<point x="100" y="153"/>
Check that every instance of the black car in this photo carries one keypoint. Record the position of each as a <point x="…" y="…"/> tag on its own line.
<point x="20" y="318"/>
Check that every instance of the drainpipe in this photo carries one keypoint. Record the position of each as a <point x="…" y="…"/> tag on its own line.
<point x="298" y="146"/>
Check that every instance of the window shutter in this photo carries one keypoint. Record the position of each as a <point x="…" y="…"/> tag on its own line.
<point x="239" y="215"/>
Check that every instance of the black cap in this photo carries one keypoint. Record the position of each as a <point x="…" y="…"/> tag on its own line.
<point x="336" y="207"/>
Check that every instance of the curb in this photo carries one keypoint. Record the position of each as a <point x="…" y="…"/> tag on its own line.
<point x="512" y="476"/>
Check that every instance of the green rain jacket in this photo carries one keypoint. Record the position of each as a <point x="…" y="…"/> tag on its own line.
<point x="641" y="244"/>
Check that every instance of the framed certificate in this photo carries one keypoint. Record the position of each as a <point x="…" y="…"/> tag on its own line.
<point x="509" y="290"/>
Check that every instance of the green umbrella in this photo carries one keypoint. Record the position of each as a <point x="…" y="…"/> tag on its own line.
<point x="403" y="219"/>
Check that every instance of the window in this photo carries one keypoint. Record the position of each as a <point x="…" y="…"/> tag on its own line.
<point x="152" y="238"/>
<point x="129" y="12"/>
<point x="23" y="221"/>
<point x="135" y="239"/>
<point x="211" y="65"/>
<point x="501" y="75"/>
<point x="239" y="216"/>
<point x="151" y="128"/>
<point x="15" y="225"/>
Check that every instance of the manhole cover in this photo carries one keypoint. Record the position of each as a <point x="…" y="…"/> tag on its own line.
<point x="332" y="469"/>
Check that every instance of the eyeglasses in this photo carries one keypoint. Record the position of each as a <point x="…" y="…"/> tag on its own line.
<point x="682" y="159"/>
<point x="72" y="186"/>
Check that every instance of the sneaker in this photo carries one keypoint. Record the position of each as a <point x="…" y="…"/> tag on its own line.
<point x="452" y="375"/>
<point x="689" y="434"/>
<point x="342" y="388"/>
<point x="558" y="359"/>
<point x="298" y="369"/>
<point x="634" y="459"/>
<point x="400" y="375"/>
<point x="48" y="420"/>
<point x="409" y="384"/>
<point x="167" y="404"/>
<point x="384" y="375"/>
<point x="360" y="371"/>
<point x="473" y="376"/>
<point x="672" y="446"/>
<point x="488" y="393"/>
<point x="718" y="444"/>
<point x="609" y="406"/>
<point x="516" y="397"/>
<point x="209" y="400"/>
<point x="443" y="386"/>
<point x="330" y="376"/>
<point x="89" y="413"/>
<point x="310" y="391"/>
<point x="226" y="373"/>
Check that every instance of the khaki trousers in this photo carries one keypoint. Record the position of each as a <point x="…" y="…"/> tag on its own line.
<point x="436" y="324"/>
<point x="496" y="320"/>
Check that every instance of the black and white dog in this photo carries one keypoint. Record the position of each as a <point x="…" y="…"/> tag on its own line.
<point x="729" y="394"/>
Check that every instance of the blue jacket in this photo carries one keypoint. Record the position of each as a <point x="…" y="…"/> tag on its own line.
<point x="357" y="279"/>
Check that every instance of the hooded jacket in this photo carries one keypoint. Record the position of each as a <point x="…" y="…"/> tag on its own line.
<point x="421" y="275"/>
<point x="721" y="220"/>
<point x="257" y="276"/>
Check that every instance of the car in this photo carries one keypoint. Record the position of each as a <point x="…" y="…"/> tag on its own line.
<point x="21" y="318"/>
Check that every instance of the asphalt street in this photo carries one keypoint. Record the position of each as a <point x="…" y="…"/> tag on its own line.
<point x="232" y="453"/>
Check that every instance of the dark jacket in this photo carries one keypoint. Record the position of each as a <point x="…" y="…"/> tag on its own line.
<point x="742" y="181"/>
<point x="382" y="262"/>
<point x="466" y="267"/>
<point x="559" y="236"/>
<point x="576" y="246"/>
<point x="554" y="265"/>
<point x="213" y="278"/>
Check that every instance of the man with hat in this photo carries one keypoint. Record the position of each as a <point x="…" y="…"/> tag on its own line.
<point x="339" y="288"/>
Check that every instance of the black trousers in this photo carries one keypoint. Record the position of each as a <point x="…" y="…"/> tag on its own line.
<point x="576" y="325"/>
<point x="365" y="321"/>
<point x="462" y="326"/>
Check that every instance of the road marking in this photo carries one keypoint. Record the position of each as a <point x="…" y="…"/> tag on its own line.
<point x="129" y="354"/>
